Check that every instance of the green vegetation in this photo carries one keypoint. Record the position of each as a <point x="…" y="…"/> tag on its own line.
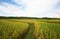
<point x="29" y="28"/>
<point x="12" y="30"/>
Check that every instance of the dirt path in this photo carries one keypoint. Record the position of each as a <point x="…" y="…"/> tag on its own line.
<point x="28" y="33"/>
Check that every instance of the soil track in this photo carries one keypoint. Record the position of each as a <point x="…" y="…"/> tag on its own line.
<point x="28" y="33"/>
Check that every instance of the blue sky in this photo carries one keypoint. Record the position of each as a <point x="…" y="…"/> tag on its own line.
<point x="30" y="8"/>
<point x="9" y="2"/>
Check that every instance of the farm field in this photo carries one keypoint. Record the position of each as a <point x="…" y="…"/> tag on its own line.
<point x="29" y="29"/>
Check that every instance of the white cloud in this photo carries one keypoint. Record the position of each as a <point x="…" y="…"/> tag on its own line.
<point x="35" y="8"/>
<point x="39" y="7"/>
<point x="11" y="10"/>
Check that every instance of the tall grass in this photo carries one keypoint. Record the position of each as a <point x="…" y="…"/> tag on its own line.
<point x="48" y="31"/>
<point x="11" y="30"/>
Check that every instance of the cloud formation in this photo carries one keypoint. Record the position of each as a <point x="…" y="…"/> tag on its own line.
<point x="32" y="8"/>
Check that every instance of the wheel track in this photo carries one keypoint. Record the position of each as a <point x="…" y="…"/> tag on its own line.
<point x="28" y="33"/>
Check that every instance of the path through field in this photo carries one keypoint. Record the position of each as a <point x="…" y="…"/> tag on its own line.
<point x="29" y="33"/>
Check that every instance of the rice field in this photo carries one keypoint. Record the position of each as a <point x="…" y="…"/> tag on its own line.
<point x="29" y="29"/>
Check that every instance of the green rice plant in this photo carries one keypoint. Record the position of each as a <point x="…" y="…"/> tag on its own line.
<point x="48" y="31"/>
<point x="9" y="29"/>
